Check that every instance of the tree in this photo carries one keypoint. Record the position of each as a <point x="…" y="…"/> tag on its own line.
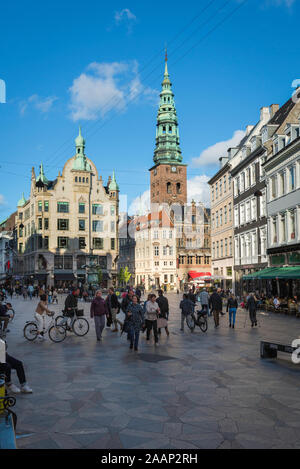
<point x="127" y="275"/>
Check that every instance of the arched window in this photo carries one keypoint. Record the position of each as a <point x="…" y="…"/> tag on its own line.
<point x="169" y="188"/>
<point x="75" y="178"/>
<point x="170" y="129"/>
<point x="87" y="180"/>
<point x="78" y="151"/>
<point x="82" y="179"/>
<point x="164" y="129"/>
<point x="178" y="188"/>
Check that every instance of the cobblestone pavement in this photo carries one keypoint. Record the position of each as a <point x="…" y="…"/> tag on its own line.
<point x="196" y="390"/>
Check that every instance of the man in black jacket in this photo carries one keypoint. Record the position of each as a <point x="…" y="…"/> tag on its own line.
<point x="216" y="304"/>
<point x="163" y="304"/>
<point x="71" y="301"/>
<point x="113" y="307"/>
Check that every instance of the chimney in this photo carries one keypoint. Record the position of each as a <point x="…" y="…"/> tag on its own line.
<point x="265" y="113"/>
<point x="249" y="128"/>
<point x="273" y="109"/>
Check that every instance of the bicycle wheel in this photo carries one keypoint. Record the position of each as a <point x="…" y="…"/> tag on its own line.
<point x="30" y="331"/>
<point x="190" y="322"/>
<point x="57" y="333"/>
<point x="203" y="324"/>
<point x="60" y="321"/>
<point x="80" y="326"/>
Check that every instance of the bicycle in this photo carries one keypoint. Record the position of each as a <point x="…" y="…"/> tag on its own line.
<point x="56" y="332"/>
<point x="74" y="322"/>
<point x="193" y="321"/>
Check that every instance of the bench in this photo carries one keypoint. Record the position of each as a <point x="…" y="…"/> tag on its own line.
<point x="270" y="349"/>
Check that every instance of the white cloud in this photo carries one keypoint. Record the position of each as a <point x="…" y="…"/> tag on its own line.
<point x="106" y="86"/>
<point x="125" y="16"/>
<point x="198" y="189"/>
<point x="211" y="155"/>
<point x="41" y="104"/>
<point x="141" y="204"/>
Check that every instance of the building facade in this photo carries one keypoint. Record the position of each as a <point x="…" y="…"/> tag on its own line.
<point x="282" y="169"/>
<point x="222" y="226"/>
<point x="68" y="228"/>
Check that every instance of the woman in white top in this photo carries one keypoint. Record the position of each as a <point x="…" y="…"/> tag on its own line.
<point x="152" y="311"/>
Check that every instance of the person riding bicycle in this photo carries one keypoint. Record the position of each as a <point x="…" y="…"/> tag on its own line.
<point x="40" y="312"/>
<point x="204" y="300"/>
<point x="71" y="301"/>
<point x="5" y="316"/>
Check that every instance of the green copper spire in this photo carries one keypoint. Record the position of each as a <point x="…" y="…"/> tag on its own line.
<point x="80" y="162"/>
<point x="22" y="201"/>
<point x="113" y="186"/>
<point x="41" y="177"/>
<point x="167" y="149"/>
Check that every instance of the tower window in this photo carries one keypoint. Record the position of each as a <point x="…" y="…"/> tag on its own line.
<point x="82" y="179"/>
<point x="164" y="129"/>
<point x="75" y="178"/>
<point x="78" y="151"/>
<point x="178" y="188"/>
<point x="169" y="190"/>
<point x="168" y="99"/>
<point x="170" y="129"/>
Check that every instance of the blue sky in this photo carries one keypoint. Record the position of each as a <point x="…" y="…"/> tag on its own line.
<point x="100" y="64"/>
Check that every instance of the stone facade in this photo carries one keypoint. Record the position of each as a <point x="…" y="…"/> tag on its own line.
<point x="68" y="228"/>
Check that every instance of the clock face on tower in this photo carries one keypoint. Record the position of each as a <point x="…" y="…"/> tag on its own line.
<point x="173" y="169"/>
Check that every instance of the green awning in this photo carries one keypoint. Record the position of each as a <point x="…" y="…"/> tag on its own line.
<point x="291" y="272"/>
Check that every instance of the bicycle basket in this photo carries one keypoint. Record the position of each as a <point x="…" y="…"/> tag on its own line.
<point x="80" y="312"/>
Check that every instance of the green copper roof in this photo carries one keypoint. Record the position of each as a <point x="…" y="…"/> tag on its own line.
<point x="167" y="149"/>
<point x="41" y="176"/>
<point x="80" y="162"/>
<point x="22" y="201"/>
<point x="79" y="140"/>
<point x="113" y="186"/>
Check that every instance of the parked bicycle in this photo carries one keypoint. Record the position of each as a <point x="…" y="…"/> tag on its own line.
<point x="56" y="332"/>
<point x="200" y="320"/>
<point x="74" y="322"/>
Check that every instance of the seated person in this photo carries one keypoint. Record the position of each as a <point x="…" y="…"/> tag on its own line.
<point x="276" y="302"/>
<point x="5" y="316"/>
<point x="14" y="364"/>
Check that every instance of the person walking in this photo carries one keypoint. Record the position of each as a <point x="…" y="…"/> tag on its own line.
<point x="232" y="305"/>
<point x="98" y="312"/>
<point x="152" y="312"/>
<point x="251" y="306"/>
<point x="187" y="307"/>
<point x="135" y="320"/>
<point x="30" y="291"/>
<point x="138" y="294"/>
<point x="163" y="317"/>
<point x="113" y="308"/>
<point x="216" y="304"/>
<point x="204" y="300"/>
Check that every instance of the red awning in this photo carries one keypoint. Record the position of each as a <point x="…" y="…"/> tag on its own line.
<point x="194" y="274"/>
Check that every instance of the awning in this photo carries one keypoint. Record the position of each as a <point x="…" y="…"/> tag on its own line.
<point x="41" y="277"/>
<point x="194" y="274"/>
<point x="65" y="276"/>
<point x="291" y="272"/>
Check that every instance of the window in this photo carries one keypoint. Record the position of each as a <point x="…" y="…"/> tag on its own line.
<point x="112" y="210"/>
<point x="46" y="206"/>
<point x="112" y="226"/>
<point x="112" y="244"/>
<point x="170" y="234"/>
<point x="46" y="223"/>
<point x="165" y="250"/>
<point x="224" y="182"/>
<point x="273" y="187"/>
<point x="169" y="189"/>
<point x="62" y="242"/>
<point x="225" y="247"/>
<point x="81" y="225"/>
<point x="97" y="225"/>
<point x="206" y="260"/>
<point x="63" y="224"/>
<point x="81" y="208"/>
<point x="97" y="243"/>
<point x="221" y="217"/>
<point x="156" y="250"/>
<point x="178" y="188"/>
<point x="81" y="242"/>
<point x="97" y="209"/>
<point x="46" y="242"/>
<point x="63" y="207"/>
<point x="282" y="183"/>
<point x="40" y="206"/>
<point x="170" y="251"/>
<point x="274" y="231"/>
<point x="282" y="229"/>
<point x="221" y="248"/>
<point x="229" y="271"/>
<point x="292" y="224"/>
<point x="292" y="178"/>
<point x="40" y="223"/>
<point x="225" y="215"/>
<point x="155" y="234"/>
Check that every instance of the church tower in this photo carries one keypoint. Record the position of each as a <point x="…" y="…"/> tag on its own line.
<point x="168" y="183"/>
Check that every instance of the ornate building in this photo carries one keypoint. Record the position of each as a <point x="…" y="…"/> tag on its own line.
<point x="68" y="228"/>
